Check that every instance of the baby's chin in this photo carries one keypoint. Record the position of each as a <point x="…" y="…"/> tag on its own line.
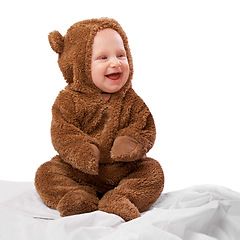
<point x="112" y="86"/>
<point x="112" y="89"/>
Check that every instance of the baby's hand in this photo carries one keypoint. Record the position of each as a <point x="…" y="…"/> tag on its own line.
<point x="95" y="151"/>
<point x="88" y="159"/>
<point x="93" y="165"/>
<point x="126" y="149"/>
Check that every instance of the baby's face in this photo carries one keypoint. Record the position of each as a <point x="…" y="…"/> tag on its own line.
<point x="109" y="68"/>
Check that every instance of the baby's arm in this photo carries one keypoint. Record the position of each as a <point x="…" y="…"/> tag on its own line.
<point x="134" y="141"/>
<point x="73" y="145"/>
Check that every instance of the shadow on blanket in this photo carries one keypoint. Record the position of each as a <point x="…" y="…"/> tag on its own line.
<point x="200" y="212"/>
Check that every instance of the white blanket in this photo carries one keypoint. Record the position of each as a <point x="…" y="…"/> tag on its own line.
<point x="197" y="213"/>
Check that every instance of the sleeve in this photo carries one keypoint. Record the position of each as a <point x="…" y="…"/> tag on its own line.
<point x="140" y="130"/>
<point x="73" y="145"/>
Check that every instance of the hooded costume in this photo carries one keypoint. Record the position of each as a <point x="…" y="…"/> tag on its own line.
<point x="101" y="138"/>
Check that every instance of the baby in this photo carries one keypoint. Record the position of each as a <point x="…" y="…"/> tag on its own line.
<point x="100" y="128"/>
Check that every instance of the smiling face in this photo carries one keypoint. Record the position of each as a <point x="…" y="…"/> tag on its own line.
<point x="109" y="66"/>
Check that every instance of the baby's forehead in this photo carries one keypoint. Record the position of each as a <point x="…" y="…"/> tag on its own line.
<point x="107" y="34"/>
<point x="108" y="39"/>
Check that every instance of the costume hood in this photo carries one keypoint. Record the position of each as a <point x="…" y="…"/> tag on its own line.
<point x="75" y="53"/>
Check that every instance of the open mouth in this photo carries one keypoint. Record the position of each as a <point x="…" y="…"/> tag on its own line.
<point x="113" y="76"/>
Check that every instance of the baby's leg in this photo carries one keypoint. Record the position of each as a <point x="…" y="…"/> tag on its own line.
<point x="135" y="193"/>
<point x="61" y="187"/>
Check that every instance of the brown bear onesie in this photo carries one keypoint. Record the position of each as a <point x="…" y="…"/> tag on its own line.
<point x="101" y="138"/>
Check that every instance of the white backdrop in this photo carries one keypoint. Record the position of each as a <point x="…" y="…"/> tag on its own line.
<point x="187" y="69"/>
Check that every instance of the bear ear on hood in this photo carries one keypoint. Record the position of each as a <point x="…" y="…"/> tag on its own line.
<point x="56" y="41"/>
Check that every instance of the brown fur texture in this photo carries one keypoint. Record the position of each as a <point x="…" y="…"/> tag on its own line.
<point x="101" y="139"/>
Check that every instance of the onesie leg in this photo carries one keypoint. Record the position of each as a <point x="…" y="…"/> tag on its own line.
<point x="135" y="193"/>
<point x="63" y="188"/>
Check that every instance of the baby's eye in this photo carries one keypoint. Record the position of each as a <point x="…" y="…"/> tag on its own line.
<point x="121" y="55"/>
<point x="103" y="57"/>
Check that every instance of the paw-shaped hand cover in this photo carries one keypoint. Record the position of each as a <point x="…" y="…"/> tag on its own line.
<point x="87" y="161"/>
<point x="93" y="165"/>
<point x="126" y="149"/>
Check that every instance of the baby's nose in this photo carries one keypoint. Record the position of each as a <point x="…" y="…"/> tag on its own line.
<point x="115" y="63"/>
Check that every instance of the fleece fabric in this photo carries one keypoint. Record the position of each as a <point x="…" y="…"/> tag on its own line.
<point x="101" y="138"/>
